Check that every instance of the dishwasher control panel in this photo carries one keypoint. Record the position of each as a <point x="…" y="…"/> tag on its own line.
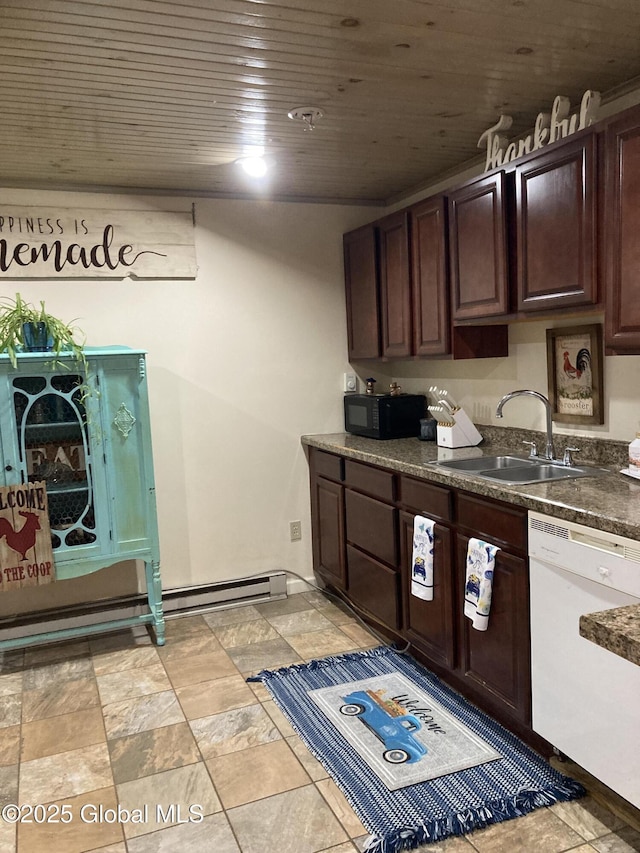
<point x="596" y="555"/>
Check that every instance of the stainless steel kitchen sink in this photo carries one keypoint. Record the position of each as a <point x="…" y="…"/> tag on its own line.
<point x="539" y="473"/>
<point x="487" y="463"/>
<point x="518" y="471"/>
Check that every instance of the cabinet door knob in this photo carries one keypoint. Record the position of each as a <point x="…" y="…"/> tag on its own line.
<point x="8" y="467"/>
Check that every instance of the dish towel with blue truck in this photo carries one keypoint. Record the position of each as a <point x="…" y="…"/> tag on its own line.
<point x="481" y="559"/>
<point x="422" y="558"/>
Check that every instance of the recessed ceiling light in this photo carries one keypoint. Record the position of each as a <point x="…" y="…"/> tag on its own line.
<point x="256" y="167"/>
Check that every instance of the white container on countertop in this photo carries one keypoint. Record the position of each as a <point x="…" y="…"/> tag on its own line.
<point x="634" y="457"/>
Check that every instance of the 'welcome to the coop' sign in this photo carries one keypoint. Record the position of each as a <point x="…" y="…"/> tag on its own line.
<point x="49" y="242"/>
<point x="26" y="554"/>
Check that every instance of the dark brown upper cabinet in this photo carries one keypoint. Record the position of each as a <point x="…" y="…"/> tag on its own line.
<point x="378" y="289"/>
<point x="361" y="286"/>
<point x="478" y="247"/>
<point x="431" y="315"/>
<point x="621" y="232"/>
<point x="556" y="215"/>
<point x="397" y="291"/>
<point x="395" y="286"/>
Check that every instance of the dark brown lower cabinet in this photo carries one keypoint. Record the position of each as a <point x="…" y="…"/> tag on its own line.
<point x="330" y="502"/>
<point x="363" y="544"/>
<point x="371" y="529"/>
<point x="373" y="587"/>
<point x="495" y="664"/>
<point x="371" y="526"/>
<point x="430" y="625"/>
<point x="327" y="518"/>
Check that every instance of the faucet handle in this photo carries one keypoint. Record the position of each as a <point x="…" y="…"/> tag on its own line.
<point x="533" y="453"/>
<point x="567" y="458"/>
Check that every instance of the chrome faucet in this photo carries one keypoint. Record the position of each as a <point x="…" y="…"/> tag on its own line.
<point x="549" y="454"/>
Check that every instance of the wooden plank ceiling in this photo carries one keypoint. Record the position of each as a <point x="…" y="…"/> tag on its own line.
<point x="142" y="94"/>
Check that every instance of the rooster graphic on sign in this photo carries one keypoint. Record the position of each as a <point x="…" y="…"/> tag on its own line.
<point x="21" y="541"/>
<point x="583" y="363"/>
<point x="574" y="376"/>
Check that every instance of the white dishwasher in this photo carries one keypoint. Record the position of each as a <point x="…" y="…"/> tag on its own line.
<point x="586" y="700"/>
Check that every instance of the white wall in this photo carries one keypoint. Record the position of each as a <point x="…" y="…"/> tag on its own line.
<point x="478" y="384"/>
<point x="241" y="362"/>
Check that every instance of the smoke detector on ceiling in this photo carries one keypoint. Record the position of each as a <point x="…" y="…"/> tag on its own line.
<point x="309" y="115"/>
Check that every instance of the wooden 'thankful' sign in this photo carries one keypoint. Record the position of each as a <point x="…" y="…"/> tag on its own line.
<point x="26" y="555"/>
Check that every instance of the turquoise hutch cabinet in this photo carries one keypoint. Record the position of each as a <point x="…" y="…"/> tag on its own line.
<point x="88" y="437"/>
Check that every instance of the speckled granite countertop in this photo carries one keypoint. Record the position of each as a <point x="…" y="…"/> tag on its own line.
<point x="617" y="630"/>
<point x="608" y="502"/>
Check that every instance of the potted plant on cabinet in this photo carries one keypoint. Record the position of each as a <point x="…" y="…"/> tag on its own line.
<point x="26" y="328"/>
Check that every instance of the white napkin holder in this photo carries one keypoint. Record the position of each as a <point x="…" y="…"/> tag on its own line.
<point x="460" y="432"/>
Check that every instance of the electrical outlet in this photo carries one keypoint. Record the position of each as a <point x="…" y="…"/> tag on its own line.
<point x="295" y="530"/>
<point x="350" y="383"/>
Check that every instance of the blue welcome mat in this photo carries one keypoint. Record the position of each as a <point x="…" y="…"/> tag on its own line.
<point x="320" y="697"/>
<point x="402" y="732"/>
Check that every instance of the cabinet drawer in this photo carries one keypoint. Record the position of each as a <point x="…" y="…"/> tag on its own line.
<point x="371" y="525"/>
<point x="373" y="586"/>
<point x="329" y="466"/>
<point x="373" y="481"/>
<point x="494" y="522"/>
<point x="426" y="499"/>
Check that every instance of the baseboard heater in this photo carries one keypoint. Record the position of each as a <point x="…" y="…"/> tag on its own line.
<point x="182" y="601"/>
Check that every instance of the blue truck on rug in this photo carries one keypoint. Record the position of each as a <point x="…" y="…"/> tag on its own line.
<point x="388" y="722"/>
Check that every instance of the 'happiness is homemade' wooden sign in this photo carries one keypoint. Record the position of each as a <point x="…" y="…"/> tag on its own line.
<point x="50" y="242"/>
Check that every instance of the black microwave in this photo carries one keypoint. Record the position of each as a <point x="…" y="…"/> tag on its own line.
<point x="384" y="415"/>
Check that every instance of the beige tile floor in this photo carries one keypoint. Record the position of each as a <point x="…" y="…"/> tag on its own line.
<point x="90" y="727"/>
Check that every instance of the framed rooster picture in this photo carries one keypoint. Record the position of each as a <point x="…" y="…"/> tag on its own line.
<point x="574" y="365"/>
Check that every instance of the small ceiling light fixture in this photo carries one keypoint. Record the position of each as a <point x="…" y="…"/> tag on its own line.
<point x="309" y="115"/>
<point x="253" y="162"/>
<point x="256" y="167"/>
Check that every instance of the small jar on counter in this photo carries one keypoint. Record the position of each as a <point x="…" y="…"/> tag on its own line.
<point x="428" y="429"/>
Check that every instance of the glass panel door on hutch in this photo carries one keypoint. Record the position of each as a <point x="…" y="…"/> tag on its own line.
<point x="85" y="432"/>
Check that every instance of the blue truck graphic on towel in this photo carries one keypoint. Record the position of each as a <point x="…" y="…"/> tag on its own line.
<point x="388" y="722"/>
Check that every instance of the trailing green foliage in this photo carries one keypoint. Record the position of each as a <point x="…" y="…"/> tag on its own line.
<point x="64" y="337"/>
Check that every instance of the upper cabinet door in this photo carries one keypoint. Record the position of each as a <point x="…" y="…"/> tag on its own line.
<point x="620" y="234"/>
<point x="395" y="285"/>
<point x="431" y="313"/>
<point x="478" y="248"/>
<point x="361" y="284"/>
<point x="556" y="198"/>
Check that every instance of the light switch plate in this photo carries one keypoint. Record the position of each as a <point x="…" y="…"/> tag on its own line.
<point x="350" y="383"/>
